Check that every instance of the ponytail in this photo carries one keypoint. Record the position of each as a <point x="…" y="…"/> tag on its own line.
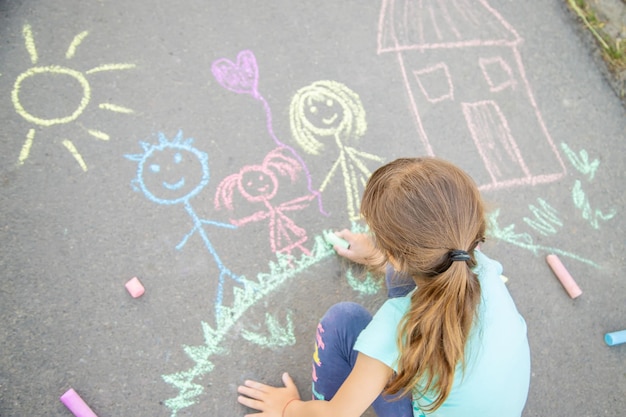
<point x="433" y="333"/>
<point x="427" y="215"/>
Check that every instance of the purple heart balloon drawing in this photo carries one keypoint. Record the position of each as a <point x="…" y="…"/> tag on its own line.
<point x="241" y="77"/>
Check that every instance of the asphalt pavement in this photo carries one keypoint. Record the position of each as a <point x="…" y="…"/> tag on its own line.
<point x="206" y="147"/>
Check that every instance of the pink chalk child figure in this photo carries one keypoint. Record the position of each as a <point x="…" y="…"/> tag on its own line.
<point x="259" y="184"/>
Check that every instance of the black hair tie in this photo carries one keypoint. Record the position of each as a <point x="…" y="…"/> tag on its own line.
<point x="459" y="255"/>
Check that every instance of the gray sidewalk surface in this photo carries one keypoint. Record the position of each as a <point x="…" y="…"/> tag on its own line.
<point x="133" y="136"/>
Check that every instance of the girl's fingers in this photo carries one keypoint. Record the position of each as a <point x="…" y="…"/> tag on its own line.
<point x="288" y="381"/>
<point x="341" y="251"/>
<point x="250" y="403"/>
<point x="257" y="385"/>
<point x="345" y="234"/>
<point x="250" y="392"/>
<point x="290" y="386"/>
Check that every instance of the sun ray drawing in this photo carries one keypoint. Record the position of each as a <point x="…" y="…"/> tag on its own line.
<point x="39" y="75"/>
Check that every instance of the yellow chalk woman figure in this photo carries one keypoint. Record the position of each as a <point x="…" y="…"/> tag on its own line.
<point x="329" y="110"/>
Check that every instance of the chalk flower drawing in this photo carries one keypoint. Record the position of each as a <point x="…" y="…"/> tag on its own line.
<point x="581" y="201"/>
<point x="278" y="335"/>
<point x="581" y="161"/>
<point x="435" y="43"/>
<point x="259" y="184"/>
<point x="53" y="73"/>
<point x="330" y="111"/>
<point x="173" y="172"/>
<point x="546" y="221"/>
<point x="588" y="168"/>
<point x="242" y="77"/>
<point x="525" y="241"/>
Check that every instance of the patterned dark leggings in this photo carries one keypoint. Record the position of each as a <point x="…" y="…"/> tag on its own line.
<point x="334" y="356"/>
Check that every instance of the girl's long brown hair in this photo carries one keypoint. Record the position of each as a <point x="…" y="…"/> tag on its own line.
<point x="419" y="210"/>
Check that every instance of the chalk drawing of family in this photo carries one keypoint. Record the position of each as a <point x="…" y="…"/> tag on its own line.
<point x="324" y="111"/>
<point x="172" y="172"/>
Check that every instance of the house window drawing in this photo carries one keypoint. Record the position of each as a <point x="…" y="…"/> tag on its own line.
<point x="497" y="73"/>
<point x="435" y="83"/>
<point x="468" y="91"/>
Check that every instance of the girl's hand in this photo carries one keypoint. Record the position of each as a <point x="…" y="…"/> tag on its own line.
<point x="270" y="401"/>
<point x="361" y="249"/>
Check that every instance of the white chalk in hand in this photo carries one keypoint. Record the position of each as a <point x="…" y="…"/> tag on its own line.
<point x="335" y="240"/>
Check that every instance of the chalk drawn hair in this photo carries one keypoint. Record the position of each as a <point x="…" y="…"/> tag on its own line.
<point x="351" y="127"/>
<point x="178" y="143"/>
<point x="276" y="162"/>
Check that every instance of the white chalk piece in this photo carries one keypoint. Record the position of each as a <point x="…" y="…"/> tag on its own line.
<point x="335" y="240"/>
<point x="615" y="338"/>
<point x="504" y="279"/>
<point x="564" y="276"/>
<point x="76" y="405"/>
<point x="135" y="288"/>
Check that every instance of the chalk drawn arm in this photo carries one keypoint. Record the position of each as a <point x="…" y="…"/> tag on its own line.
<point x="330" y="175"/>
<point x="187" y="236"/>
<point x="372" y="157"/>
<point x="356" y="157"/>
<point x="219" y="224"/>
<point x="297" y="203"/>
<point x="258" y="216"/>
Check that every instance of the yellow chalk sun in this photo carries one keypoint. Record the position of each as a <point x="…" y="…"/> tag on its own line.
<point x="57" y="70"/>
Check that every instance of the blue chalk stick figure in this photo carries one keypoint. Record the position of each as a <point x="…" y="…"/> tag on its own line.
<point x="164" y="176"/>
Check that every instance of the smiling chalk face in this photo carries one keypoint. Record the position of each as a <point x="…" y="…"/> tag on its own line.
<point x="324" y="114"/>
<point x="257" y="184"/>
<point x="172" y="173"/>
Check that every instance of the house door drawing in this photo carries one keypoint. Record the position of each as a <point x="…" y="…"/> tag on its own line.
<point x="495" y="142"/>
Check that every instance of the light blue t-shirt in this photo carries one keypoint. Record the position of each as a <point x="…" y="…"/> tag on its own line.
<point x="497" y="356"/>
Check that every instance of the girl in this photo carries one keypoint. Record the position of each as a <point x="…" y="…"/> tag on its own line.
<point x="453" y="344"/>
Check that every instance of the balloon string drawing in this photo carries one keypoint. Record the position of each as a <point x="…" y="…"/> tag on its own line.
<point x="328" y="111"/>
<point x="47" y="74"/>
<point x="165" y="178"/>
<point x="242" y="77"/>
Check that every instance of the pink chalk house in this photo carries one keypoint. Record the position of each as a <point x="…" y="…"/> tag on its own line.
<point x="460" y="61"/>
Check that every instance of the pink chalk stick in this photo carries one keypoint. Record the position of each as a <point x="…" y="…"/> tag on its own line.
<point x="76" y="405"/>
<point x="135" y="288"/>
<point x="564" y="276"/>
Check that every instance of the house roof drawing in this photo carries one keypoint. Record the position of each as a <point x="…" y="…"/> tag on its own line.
<point x="434" y="24"/>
